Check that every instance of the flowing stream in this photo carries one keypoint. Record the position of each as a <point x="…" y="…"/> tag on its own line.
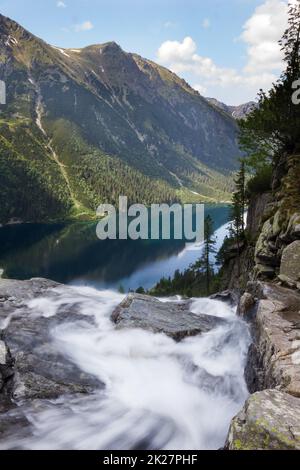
<point x="158" y="394"/>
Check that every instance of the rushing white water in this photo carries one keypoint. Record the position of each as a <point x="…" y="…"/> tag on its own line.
<point x="158" y="394"/>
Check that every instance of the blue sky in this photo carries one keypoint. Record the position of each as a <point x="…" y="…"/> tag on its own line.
<point x="211" y="43"/>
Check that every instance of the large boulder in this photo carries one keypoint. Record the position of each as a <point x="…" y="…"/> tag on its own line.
<point x="268" y="421"/>
<point x="37" y="369"/>
<point x="172" y="318"/>
<point x="290" y="264"/>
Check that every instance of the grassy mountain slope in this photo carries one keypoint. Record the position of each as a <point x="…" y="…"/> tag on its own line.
<point x="86" y="125"/>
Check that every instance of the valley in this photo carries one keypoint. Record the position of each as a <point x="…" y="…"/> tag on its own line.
<point x="86" y="125"/>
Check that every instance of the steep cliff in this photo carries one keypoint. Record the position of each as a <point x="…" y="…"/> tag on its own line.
<point x="271" y="304"/>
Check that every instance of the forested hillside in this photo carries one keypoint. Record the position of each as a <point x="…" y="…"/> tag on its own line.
<point x="82" y="126"/>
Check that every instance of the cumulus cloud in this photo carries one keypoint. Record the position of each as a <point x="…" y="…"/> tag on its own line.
<point x="200" y="88"/>
<point x="85" y="26"/>
<point x="174" y="51"/>
<point x="61" y="4"/>
<point x="261" y="34"/>
<point x="264" y="59"/>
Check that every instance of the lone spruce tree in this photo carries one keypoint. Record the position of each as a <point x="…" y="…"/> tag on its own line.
<point x="209" y="248"/>
<point x="237" y="227"/>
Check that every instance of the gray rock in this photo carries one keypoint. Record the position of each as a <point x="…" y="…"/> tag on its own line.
<point x="268" y="421"/>
<point x="294" y="226"/>
<point x="172" y="318"/>
<point x="264" y="271"/>
<point x="285" y="280"/>
<point x="39" y="370"/>
<point x="274" y="358"/>
<point x="266" y="258"/>
<point x="256" y="210"/>
<point x="13" y="423"/>
<point x="290" y="262"/>
<point x="293" y="230"/>
<point x="228" y="296"/>
<point x="3" y="353"/>
<point x="245" y="305"/>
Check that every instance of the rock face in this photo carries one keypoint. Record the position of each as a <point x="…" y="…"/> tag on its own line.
<point x="172" y="318"/>
<point x="29" y="365"/>
<point x="257" y="207"/>
<point x="270" y="418"/>
<point x="290" y="264"/>
<point x="235" y="277"/>
<point x="275" y="355"/>
<point x="268" y="421"/>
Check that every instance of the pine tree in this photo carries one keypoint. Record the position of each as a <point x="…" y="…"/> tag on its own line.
<point x="204" y="264"/>
<point x="240" y="195"/>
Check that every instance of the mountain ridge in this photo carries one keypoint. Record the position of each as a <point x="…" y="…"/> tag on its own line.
<point x="237" y="112"/>
<point x="100" y="110"/>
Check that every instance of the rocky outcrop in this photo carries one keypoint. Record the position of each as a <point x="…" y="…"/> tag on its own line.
<point x="258" y="206"/>
<point x="275" y="355"/>
<point x="172" y="318"/>
<point x="30" y="367"/>
<point x="281" y="226"/>
<point x="271" y="304"/>
<point x="290" y="265"/>
<point x="268" y="421"/>
<point x="235" y="275"/>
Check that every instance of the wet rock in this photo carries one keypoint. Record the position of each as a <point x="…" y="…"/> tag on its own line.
<point x="172" y="318"/>
<point x="3" y="353"/>
<point x="226" y="296"/>
<point x="290" y="264"/>
<point x="6" y="368"/>
<point x="245" y="304"/>
<point x="268" y="421"/>
<point x="13" y="423"/>
<point x="38" y="370"/>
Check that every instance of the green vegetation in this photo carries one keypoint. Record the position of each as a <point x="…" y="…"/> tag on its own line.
<point x="271" y="132"/>
<point x="199" y="279"/>
<point x="31" y="187"/>
<point x="260" y="182"/>
<point x="73" y="137"/>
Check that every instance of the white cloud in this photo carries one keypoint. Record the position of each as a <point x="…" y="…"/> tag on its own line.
<point x="263" y="59"/>
<point x="261" y="34"/>
<point x="174" y="51"/>
<point x="206" y="23"/>
<point x="85" y="26"/>
<point x="202" y="90"/>
<point x="61" y="4"/>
